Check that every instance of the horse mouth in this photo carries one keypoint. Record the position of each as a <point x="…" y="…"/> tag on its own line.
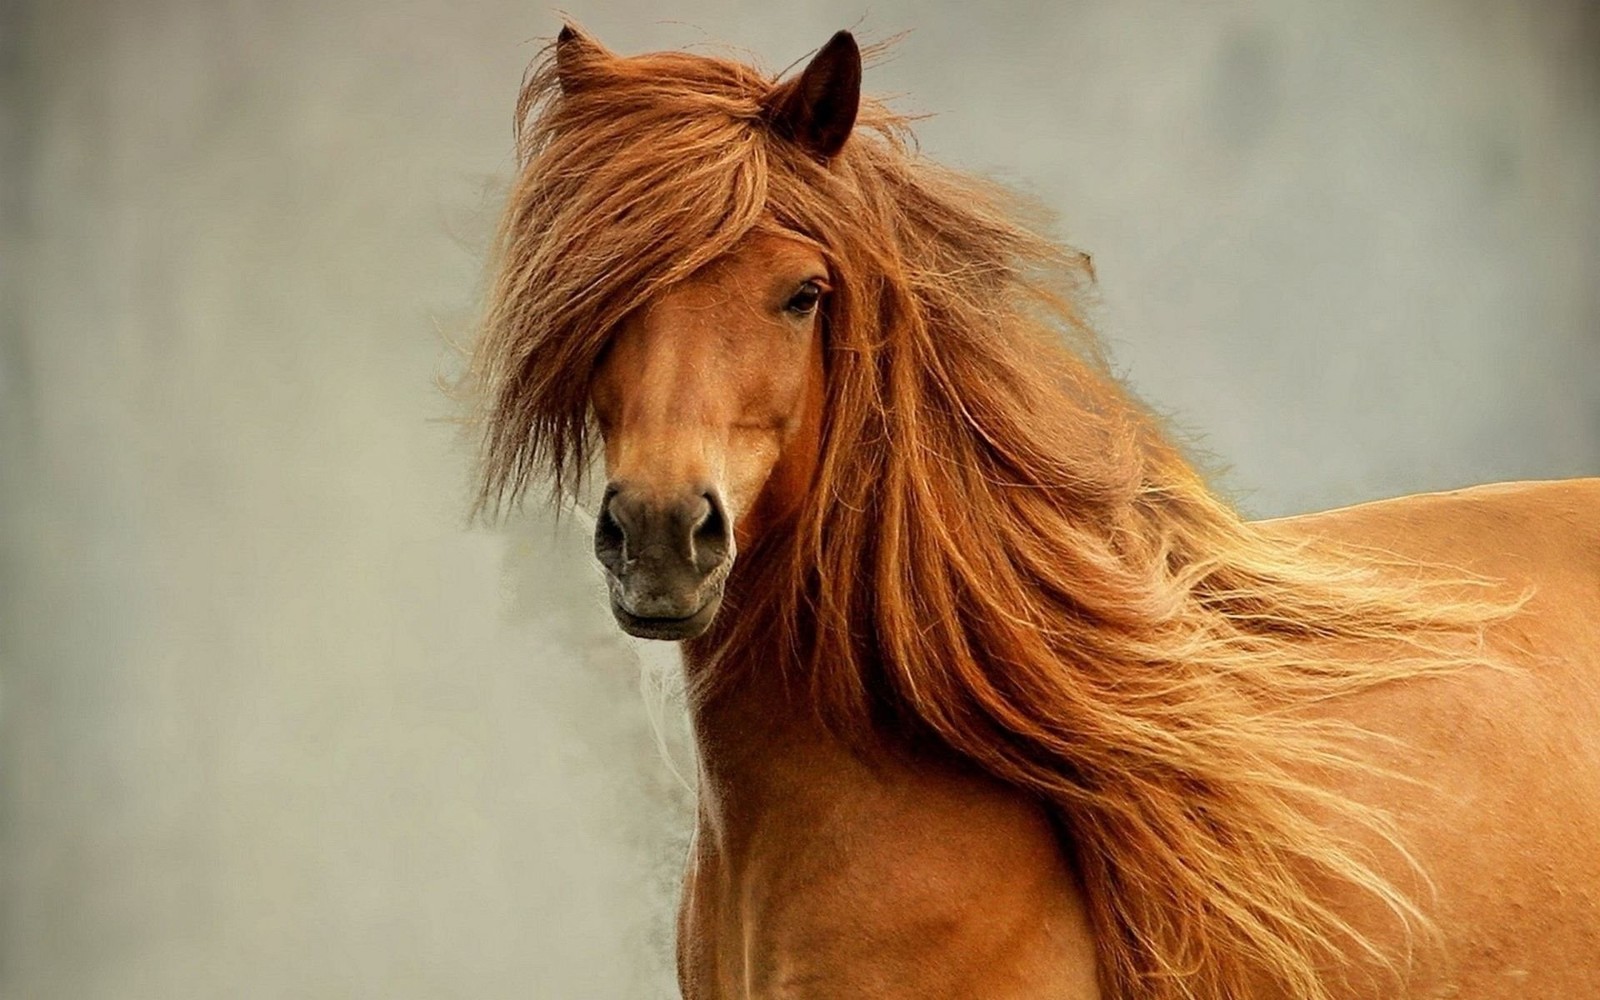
<point x="668" y="628"/>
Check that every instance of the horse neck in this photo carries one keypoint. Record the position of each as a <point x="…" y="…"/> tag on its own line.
<point x="760" y="748"/>
<point x="920" y="855"/>
<point x="767" y="758"/>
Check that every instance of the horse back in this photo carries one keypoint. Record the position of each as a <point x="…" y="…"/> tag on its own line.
<point x="1542" y="533"/>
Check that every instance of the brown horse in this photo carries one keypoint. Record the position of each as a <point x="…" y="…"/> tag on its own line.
<point x="992" y="697"/>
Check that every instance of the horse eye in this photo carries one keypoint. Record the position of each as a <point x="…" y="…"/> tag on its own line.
<point x="804" y="301"/>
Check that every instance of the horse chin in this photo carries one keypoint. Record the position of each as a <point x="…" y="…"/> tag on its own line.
<point x="668" y="629"/>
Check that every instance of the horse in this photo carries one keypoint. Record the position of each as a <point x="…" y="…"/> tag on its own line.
<point x="993" y="696"/>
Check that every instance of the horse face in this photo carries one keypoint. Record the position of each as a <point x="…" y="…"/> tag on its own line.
<point x="708" y="400"/>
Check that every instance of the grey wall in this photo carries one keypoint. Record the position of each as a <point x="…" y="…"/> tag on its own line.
<point x="274" y="723"/>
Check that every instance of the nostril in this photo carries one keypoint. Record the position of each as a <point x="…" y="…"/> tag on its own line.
<point x="711" y="534"/>
<point x="609" y="538"/>
<point x="608" y="531"/>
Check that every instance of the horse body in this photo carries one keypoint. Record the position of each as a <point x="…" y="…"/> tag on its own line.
<point x="994" y="697"/>
<point x="817" y="873"/>
<point x="1503" y="807"/>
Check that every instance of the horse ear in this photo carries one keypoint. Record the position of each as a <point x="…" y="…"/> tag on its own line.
<point x="574" y="50"/>
<point x="818" y="108"/>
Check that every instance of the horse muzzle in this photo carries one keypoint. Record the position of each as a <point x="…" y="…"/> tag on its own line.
<point x="665" y="558"/>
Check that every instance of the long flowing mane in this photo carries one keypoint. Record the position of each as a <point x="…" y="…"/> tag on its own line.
<point x="1001" y="552"/>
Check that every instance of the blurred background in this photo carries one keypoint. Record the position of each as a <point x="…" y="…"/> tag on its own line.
<point x="276" y="722"/>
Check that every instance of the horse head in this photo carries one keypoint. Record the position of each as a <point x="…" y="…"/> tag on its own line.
<point x="708" y="396"/>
